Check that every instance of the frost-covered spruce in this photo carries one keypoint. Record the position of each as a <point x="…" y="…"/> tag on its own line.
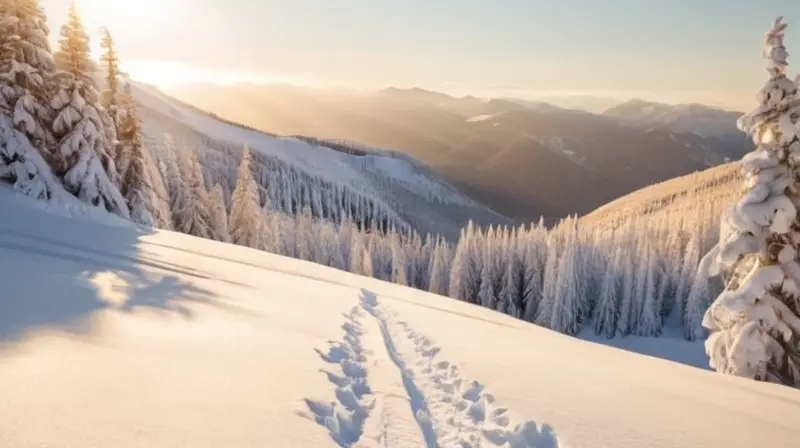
<point x="83" y="160"/>
<point x="754" y="323"/>
<point x="26" y="70"/>
<point x="219" y="216"/>
<point x="193" y="212"/>
<point x="140" y="181"/>
<point x="244" y="222"/>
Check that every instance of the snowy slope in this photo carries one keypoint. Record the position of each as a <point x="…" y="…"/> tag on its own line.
<point x="112" y="336"/>
<point x="396" y="181"/>
<point x="697" y="118"/>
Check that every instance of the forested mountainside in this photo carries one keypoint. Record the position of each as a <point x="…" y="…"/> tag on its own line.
<point x="333" y="179"/>
<point x="524" y="159"/>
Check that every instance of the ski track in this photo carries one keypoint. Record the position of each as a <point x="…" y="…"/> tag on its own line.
<point x="450" y="410"/>
<point x="344" y="418"/>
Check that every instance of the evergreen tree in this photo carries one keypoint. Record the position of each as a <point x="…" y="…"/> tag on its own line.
<point x="511" y="294"/>
<point x="566" y="314"/>
<point x="459" y="269"/>
<point x="219" y="215"/>
<point x="110" y="62"/>
<point x="112" y="99"/>
<point x="439" y="268"/>
<point x="650" y="323"/>
<point x="398" y="260"/>
<point x="357" y="254"/>
<point x="138" y="183"/>
<point x="26" y="69"/>
<point x="172" y="177"/>
<point x="754" y="321"/>
<point x="533" y="271"/>
<point x="366" y="263"/>
<point x="606" y="312"/>
<point x="244" y="220"/>
<point x="628" y="281"/>
<point x="83" y="160"/>
<point x="193" y="212"/>
<point x="74" y="53"/>
<point x="547" y="306"/>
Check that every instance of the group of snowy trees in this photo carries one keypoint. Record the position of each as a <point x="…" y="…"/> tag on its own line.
<point x="59" y="133"/>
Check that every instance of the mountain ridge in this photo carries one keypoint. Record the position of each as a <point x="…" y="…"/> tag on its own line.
<point x="501" y="153"/>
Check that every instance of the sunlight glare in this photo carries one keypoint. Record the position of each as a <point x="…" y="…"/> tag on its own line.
<point x="134" y="13"/>
<point x="167" y="74"/>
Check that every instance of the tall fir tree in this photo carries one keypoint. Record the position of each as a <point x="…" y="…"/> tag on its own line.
<point x="139" y="183"/>
<point x="193" y="212"/>
<point x="83" y="160"/>
<point x="754" y="321"/>
<point x="244" y="221"/>
<point x="606" y="313"/>
<point x="27" y="144"/>
<point x="113" y="99"/>
<point x="219" y="214"/>
<point x="439" y="269"/>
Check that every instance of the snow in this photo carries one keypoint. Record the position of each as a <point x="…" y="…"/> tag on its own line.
<point x="125" y="337"/>
<point x="479" y="118"/>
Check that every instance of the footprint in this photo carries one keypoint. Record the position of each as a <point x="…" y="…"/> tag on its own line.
<point x="473" y="393"/>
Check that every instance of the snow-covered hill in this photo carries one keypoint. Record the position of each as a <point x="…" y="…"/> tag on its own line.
<point x="118" y="336"/>
<point x="396" y="182"/>
<point x="700" y="119"/>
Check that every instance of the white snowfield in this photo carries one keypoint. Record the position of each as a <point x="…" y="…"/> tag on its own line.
<point x="113" y="336"/>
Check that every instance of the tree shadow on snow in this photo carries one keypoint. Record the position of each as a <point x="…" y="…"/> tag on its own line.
<point x="56" y="271"/>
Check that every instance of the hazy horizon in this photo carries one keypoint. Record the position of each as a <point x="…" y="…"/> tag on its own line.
<point x="676" y="52"/>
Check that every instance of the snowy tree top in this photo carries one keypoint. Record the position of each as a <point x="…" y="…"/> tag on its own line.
<point x="774" y="51"/>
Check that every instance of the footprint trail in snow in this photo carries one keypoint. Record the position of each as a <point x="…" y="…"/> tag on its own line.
<point x="450" y="410"/>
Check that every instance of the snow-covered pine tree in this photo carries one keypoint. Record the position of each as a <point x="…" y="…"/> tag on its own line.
<point x="650" y="323"/>
<point x="366" y="262"/>
<point x="172" y="176"/>
<point x="606" y="313"/>
<point x="193" y="213"/>
<point x="83" y="160"/>
<point x="110" y="62"/>
<point x="754" y="321"/>
<point x="533" y="270"/>
<point x="219" y="215"/>
<point x="439" y="269"/>
<point x="112" y="99"/>
<point x="691" y="259"/>
<point x="138" y="186"/>
<point x="357" y="247"/>
<point x="511" y="293"/>
<point x="398" y="259"/>
<point x="27" y="143"/>
<point x="304" y="234"/>
<point x="547" y="305"/>
<point x="566" y="314"/>
<point x="244" y="221"/>
<point x="489" y="291"/>
<point x="628" y="280"/>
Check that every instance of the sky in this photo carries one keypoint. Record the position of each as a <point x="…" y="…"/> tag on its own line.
<point x="706" y="51"/>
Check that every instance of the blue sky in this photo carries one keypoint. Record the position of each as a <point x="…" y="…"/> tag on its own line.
<point x="704" y="50"/>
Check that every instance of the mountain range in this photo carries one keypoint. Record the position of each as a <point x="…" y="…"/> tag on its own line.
<point x="525" y="159"/>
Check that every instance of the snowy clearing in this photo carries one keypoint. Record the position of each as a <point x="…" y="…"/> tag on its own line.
<point x="112" y="336"/>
